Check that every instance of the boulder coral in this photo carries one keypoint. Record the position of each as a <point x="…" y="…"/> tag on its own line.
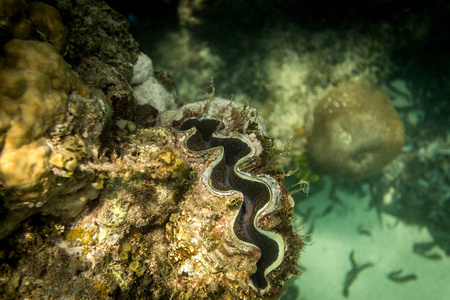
<point x="33" y="21"/>
<point x="36" y="82"/>
<point x="355" y="133"/>
<point x="45" y="123"/>
<point x="50" y="119"/>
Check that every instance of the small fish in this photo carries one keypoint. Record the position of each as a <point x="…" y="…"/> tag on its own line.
<point x="396" y="277"/>
<point x="363" y="231"/>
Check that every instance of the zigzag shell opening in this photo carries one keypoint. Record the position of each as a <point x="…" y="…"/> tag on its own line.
<point x="223" y="175"/>
<point x="208" y="244"/>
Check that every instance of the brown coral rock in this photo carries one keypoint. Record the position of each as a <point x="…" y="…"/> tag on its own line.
<point x="48" y="21"/>
<point x="40" y="96"/>
<point x="34" y="21"/>
<point x="356" y="132"/>
<point x="13" y="17"/>
<point x="36" y="82"/>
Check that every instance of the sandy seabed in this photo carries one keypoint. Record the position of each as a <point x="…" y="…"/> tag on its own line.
<point x="386" y="244"/>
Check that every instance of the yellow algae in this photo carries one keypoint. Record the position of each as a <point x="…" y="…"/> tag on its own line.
<point x="79" y="236"/>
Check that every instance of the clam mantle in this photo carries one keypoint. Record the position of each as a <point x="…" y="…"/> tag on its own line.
<point x="235" y="225"/>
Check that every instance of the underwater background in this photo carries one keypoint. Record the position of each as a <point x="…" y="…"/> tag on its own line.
<point x="345" y="106"/>
<point x="382" y="237"/>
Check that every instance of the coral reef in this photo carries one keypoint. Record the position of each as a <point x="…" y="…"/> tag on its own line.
<point x="159" y="229"/>
<point x="355" y="133"/>
<point x="51" y="121"/>
<point x="97" y="203"/>
<point x="156" y="228"/>
<point x="102" y="52"/>
<point x="38" y="95"/>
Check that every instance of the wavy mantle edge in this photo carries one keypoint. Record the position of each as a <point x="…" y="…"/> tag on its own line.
<point x="268" y="181"/>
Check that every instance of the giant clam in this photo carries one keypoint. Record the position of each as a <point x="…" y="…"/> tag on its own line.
<point x="233" y="229"/>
